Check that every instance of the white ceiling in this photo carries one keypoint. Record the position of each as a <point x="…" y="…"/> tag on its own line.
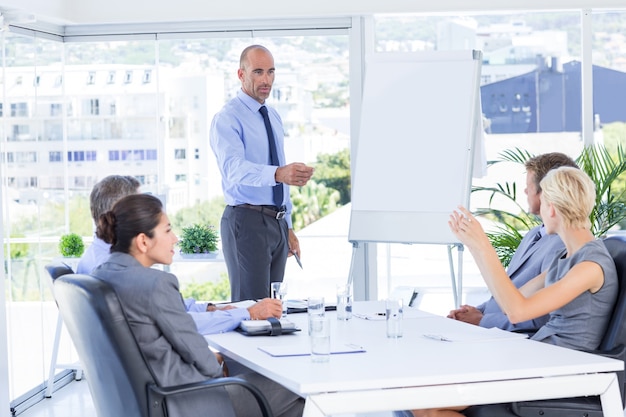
<point x="87" y="12"/>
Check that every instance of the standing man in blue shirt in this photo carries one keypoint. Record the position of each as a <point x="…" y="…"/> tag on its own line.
<point x="534" y="254"/>
<point x="256" y="229"/>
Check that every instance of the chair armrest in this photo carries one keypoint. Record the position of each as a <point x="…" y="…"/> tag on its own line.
<point x="156" y="395"/>
<point x="618" y="352"/>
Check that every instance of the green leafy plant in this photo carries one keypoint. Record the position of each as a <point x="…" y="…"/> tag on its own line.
<point x="604" y="169"/>
<point x="217" y="291"/>
<point x="71" y="245"/>
<point x="312" y="202"/>
<point x="333" y="171"/>
<point x="198" y="238"/>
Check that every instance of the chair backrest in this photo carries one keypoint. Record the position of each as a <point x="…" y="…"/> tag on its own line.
<point x="116" y="371"/>
<point x="616" y="332"/>
<point x="614" y="341"/>
<point x="57" y="269"/>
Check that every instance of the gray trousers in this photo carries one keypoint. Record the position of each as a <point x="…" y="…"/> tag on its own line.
<point x="255" y="248"/>
<point x="283" y="402"/>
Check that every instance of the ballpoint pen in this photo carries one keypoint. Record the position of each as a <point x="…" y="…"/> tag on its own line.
<point x="295" y="255"/>
<point x="438" y="337"/>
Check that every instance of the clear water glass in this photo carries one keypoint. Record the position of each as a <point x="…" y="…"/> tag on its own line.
<point x="393" y="315"/>
<point x="279" y="291"/>
<point x="344" y="302"/>
<point x="315" y="308"/>
<point x="319" y="327"/>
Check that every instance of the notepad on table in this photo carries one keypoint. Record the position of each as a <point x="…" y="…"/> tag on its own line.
<point x="264" y="327"/>
<point x="305" y="349"/>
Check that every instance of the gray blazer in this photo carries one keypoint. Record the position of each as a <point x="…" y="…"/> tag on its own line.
<point x="166" y="334"/>
<point x="528" y="261"/>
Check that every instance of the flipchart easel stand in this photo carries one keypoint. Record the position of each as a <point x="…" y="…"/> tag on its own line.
<point x="456" y="278"/>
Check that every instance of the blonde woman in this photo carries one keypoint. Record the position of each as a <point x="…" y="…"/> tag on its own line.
<point x="578" y="290"/>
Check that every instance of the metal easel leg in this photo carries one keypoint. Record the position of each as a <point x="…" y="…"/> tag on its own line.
<point x="457" y="283"/>
<point x="53" y="360"/>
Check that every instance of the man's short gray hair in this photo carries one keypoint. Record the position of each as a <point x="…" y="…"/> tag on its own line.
<point x="108" y="190"/>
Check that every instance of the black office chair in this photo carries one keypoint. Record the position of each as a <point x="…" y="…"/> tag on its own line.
<point x="613" y="345"/>
<point x="56" y="269"/>
<point x="120" y="380"/>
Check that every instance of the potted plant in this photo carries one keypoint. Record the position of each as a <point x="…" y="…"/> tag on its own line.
<point x="71" y="248"/>
<point x="71" y="245"/>
<point x="198" y="240"/>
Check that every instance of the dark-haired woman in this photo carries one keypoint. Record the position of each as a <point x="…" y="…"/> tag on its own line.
<point x="140" y="235"/>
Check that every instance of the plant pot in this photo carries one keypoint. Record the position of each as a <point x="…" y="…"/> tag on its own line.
<point x="210" y="255"/>
<point x="70" y="261"/>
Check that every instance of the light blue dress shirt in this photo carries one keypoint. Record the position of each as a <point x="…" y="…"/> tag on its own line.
<point x="218" y="321"/>
<point x="96" y="254"/>
<point x="239" y="141"/>
<point x="207" y="322"/>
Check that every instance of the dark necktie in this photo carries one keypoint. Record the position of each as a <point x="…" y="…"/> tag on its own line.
<point x="278" y="188"/>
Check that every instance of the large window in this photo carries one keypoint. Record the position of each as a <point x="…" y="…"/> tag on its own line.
<point x="73" y="118"/>
<point x="609" y="75"/>
<point x="144" y="108"/>
<point x="32" y="212"/>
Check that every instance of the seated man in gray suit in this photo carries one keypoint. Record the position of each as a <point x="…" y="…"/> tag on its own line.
<point x="534" y="254"/>
<point x="209" y="318"/>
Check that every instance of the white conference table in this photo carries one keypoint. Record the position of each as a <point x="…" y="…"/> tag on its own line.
<point x="477" y="367"/>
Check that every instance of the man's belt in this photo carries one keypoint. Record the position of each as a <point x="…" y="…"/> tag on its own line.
<point x="267" y="210"/>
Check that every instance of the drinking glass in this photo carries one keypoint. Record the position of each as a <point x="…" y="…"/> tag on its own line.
<point x="344" y="302"/>
<point x="279" y="291"/>
<point x="315" y="308"/>
<point x="393" y="316"/>
<point x="320" y="338"/>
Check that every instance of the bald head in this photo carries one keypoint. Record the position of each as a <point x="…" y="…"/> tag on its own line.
<point x="256" y="72"/>
<point x="243" y="59"/>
